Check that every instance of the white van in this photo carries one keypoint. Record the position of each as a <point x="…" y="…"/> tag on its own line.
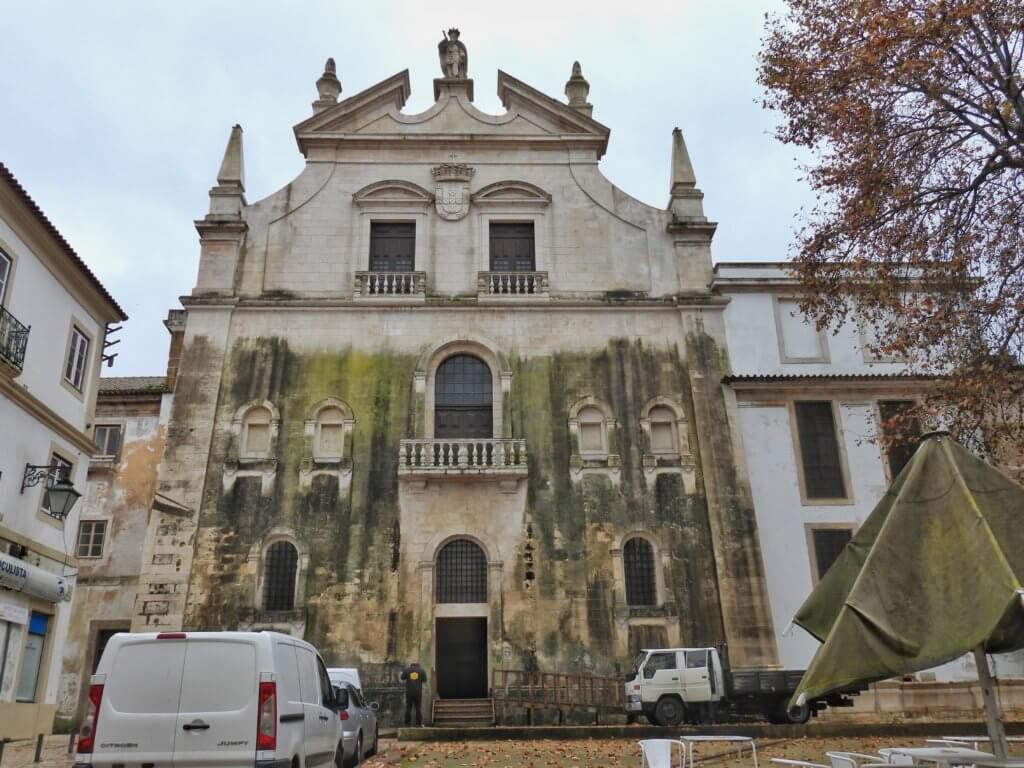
<point x="228" y="699"/>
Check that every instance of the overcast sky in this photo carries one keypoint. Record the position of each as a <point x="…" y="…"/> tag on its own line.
<point x="115" y="114"/>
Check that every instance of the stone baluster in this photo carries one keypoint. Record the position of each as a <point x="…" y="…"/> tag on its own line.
<point x="499" y="454"/>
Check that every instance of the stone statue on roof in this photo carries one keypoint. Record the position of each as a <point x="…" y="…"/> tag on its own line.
<point x="454" y="59"/>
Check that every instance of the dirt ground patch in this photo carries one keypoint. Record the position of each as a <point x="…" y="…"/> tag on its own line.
<point x="604" y="753"/>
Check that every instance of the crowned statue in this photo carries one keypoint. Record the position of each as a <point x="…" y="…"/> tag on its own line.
<point x="452" y="52"/>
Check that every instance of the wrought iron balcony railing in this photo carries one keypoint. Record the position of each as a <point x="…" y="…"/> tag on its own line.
<point x="463" y="456"/>
<point x="381" y="285"/>
<point x="493" y="285"/>
<point x="13" y="340"/>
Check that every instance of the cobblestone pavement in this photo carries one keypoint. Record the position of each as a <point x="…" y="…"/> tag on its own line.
<point x="19" y="754"/>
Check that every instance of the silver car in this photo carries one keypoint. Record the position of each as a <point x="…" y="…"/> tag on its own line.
<point x="358" y="722"/>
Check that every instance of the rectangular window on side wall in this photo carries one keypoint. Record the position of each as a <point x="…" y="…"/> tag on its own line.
<point x="78" y="359"/>
<point x="896" y="423"/>
<point x="108" y="440"/>
<point x="392" y="246"/>
<point x="512" y="247"/>
<point x="32" y="658"/>
<point x="64" y="470"/>
<point x="90" y="538"/>
<point x="820" y="456"/>
<point x="5" y="275"/>
<point x="826" y="546"/>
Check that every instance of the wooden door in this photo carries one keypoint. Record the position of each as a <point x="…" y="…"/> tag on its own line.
<point x="392" y="247"/>
<point x="462" y="658"/>
<point x="512" y="247"/>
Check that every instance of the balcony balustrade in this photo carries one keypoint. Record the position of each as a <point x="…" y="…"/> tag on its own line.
<point x="512" y="285"/>
<point x="387" y="285"/>
<point x="13" y="341"/>
<point x="504" y="457"/>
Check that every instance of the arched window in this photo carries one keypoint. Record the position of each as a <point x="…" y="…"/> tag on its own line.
<point x="329" y="441"/>
<point x="463" y="398"/>
<point x="593" y="432"/>
<point x="638" y="564"/>
<point x="663" y="430"/>
<point x="461" y="573"/>
<point x="280" y="567"/>
<point x="256" y="433"/>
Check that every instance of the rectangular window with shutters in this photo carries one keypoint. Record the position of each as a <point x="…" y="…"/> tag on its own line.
<point x="821" y="461"/>
<point x="90" y="538"/>
<point x="826" y="543"/>
<point x="392" y="246"/>
<point x="512" y="247"/>
<point x="894" y="421"/>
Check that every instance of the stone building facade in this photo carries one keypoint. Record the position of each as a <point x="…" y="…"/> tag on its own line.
<point x="452" y="395"/>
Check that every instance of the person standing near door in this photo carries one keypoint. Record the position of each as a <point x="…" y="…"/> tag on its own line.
<point x="414" y="677"/>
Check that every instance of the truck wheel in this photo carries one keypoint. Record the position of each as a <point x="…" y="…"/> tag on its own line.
<point x="670" y="711"/>
<point x="782" y="715"/>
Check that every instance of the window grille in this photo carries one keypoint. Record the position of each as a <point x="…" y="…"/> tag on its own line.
<point x="461" y="573"/>
<point x="282" y="562"/>
<point x="638" y="563"/>
<point x="463" y="398"/>
<point x="819" y="450"/>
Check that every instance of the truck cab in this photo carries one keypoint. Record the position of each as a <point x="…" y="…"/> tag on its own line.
<point x="670" y="685"/>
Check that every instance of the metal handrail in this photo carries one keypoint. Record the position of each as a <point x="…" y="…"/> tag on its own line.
<point x="13" y="340"/>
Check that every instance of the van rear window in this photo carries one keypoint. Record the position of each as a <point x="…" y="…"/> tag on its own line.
<point x="145" y="678"/>
<point x="220" y="676"/>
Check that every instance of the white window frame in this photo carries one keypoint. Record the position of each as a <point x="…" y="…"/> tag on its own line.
<point x="76" y="361"/>
<point x="5" y="277"/>
<point x="92" y="539"/>
<point x="120" y="440"/>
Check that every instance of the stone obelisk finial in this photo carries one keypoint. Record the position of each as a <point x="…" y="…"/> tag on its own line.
<point x="328" y="88"/>
<point x="577" y="89"/>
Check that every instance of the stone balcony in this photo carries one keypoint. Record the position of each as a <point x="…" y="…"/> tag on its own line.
<point x="391" y="286"/>
<point x="502" y="458"/>
<point x="493" y="286"/>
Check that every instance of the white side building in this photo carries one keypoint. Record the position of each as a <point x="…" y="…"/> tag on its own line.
<point x="53" y="319"/>
<point x="809" y="406"/>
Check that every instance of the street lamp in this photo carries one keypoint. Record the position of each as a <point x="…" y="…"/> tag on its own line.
<point x="61" y="494"/>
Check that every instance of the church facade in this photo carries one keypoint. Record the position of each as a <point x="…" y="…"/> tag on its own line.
<point x="451" y="395"/>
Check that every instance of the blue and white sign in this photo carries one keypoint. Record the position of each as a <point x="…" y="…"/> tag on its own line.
<point x="21" y="577"/>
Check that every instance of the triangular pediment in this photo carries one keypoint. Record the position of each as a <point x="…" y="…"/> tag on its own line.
<point x="374" y="117"/>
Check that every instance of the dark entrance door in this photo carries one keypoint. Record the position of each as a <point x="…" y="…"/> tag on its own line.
<point x="512" y="247"/>
<point x="462" y="658"/>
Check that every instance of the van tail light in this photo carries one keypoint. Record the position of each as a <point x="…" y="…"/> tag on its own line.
<point x="343" y="715"/>
<point x="87" y="736"/>
<point x="266" y="722"/>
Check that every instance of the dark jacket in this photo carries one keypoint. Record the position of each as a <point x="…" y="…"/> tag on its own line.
<point x="414" y="677"/>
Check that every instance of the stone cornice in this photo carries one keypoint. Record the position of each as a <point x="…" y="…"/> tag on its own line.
<point x="463" y="304"/>
<point x="43" y="413"/>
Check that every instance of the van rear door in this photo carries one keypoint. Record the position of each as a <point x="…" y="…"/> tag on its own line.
<point x="139" y="709"/>
<point x="219" y="698"/>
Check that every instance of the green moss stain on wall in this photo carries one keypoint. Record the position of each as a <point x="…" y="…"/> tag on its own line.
<point x="571" y="613"/>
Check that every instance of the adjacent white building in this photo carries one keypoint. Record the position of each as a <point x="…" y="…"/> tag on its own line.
<point x="53" y="319"/>
<point x="810" y="404"/>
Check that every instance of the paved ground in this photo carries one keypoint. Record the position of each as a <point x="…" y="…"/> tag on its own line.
<point x="580" y="753"/>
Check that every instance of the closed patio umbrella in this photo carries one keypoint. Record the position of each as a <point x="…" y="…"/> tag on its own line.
<point x="934" y="572"/>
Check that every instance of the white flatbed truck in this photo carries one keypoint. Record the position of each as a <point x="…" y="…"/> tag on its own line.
<point x="670" y="686"/>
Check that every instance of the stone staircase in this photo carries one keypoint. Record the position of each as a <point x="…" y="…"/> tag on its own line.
<point x="463" y="712"/>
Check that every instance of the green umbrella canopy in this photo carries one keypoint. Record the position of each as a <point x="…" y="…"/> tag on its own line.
<point x="934" y="572"/>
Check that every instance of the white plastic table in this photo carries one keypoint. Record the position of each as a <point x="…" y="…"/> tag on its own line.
<point x="976" y="740"/>
<point x="742" y="741"/>
<point x="944" y="756"/>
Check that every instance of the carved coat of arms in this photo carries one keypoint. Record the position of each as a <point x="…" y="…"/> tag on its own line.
<point x="451" y="190"/>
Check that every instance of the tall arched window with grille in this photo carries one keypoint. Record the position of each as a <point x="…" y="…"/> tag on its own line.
<point x="280" y="568"/>
<point x="463" y="398"/>
<point x="638" y="564"/>
<point x="461" y="573"/>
